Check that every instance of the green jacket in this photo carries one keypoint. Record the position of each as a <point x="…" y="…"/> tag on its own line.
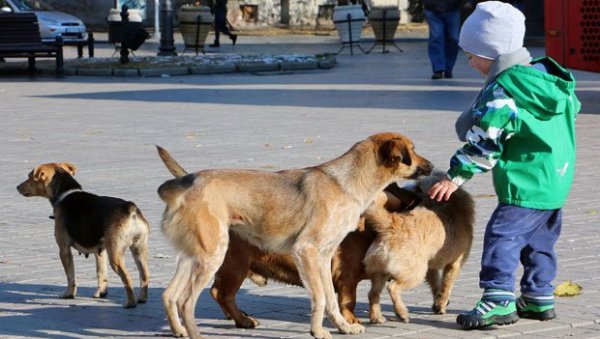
<point x="525" y="133"/>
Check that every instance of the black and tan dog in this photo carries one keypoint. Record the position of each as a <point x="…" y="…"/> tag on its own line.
<point x="98" y="225"/>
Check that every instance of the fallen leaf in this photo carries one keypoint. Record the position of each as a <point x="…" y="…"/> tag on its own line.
<point x="592" y="211"/>
<point x="567" y="289"/>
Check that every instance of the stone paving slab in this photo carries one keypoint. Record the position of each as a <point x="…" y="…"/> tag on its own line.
<point x="108" y="127"/>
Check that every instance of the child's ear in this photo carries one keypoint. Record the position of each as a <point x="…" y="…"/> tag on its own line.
<point x="68" y="167"/>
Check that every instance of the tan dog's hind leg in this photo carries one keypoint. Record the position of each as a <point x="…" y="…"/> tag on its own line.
<point x="101" y="273"/>
<point x="66" y="257"/>
<point x="174" y="291"/>
<point x="117" y="263"/>
<point x="377" y="285"/>
<point x="202" y="271"/>
<point x="139" y="250"/>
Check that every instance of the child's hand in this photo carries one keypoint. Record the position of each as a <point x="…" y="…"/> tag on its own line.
<point x="442" y="189"/>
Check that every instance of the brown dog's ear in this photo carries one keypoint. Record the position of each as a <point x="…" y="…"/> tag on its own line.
<point x="393" y="152"/>
<point x="68" y="167"/>
<point x="39" y="174"/>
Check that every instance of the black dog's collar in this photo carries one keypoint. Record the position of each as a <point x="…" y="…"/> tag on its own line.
<point x="65" y="194"/>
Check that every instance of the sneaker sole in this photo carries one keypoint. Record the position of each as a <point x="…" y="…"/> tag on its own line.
<point x="493" y="320"/>
<point x="541" y="316"/>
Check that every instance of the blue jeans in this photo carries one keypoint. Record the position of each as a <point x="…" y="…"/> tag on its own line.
<point x="516" y="234"/>
<point x="444" y="29"/>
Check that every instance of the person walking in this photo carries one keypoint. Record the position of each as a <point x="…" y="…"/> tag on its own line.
<point x="521" y="127"/>
<point x="219" y="9"/>
<point x="443" y="18"/>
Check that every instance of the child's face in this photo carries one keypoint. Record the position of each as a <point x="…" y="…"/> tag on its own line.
<point x="481" y="65"/>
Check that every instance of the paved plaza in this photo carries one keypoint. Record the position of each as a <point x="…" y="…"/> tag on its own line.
<point x="108" y="127"/>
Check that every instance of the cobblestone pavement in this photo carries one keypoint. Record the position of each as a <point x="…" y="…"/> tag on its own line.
<point x="108" y="127"/>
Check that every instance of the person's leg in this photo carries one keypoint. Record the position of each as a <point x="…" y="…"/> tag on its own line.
<point x="539" y="263"/>
<point x="218" y="23"/>
<point x="451" y="34"/>
<point x="508" y="232"/>
<point x="435" y="48"/>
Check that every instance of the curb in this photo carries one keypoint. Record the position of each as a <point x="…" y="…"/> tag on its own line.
<point x="164" y="67"/>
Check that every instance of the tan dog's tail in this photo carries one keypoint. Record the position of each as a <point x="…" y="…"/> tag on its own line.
<point x="172" y="189"/>
<point x="170" y="163"/>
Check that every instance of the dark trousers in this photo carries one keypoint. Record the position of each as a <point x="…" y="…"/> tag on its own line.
<point x="516" y="234"/>
<point x="442" y="46"/>
<point x="221" y="24"/>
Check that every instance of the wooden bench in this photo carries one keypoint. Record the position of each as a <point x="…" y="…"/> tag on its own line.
<point x="20" y="38"/>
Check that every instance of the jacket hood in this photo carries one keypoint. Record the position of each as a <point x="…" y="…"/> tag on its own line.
<point x="544" y="95"/>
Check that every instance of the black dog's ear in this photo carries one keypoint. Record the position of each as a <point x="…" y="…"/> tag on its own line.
<point x="393" y="153"/>
<point x="39" y="174"/>
<point x="70" y="168"/>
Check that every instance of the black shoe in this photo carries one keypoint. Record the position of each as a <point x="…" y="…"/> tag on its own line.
<point x="216" y="44"/>
<point x="532" y="311"/>
<point x="437" y="75"/>
<point x="448" y="75"/>
<point x="233" y="39"/>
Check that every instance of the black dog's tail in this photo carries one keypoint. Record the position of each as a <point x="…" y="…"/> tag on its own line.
<point x="177" y="170"/>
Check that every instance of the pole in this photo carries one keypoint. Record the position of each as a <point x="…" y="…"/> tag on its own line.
<point x="167" y="43"/>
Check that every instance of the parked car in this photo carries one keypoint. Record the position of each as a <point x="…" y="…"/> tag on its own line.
<point x="52" y="23"/>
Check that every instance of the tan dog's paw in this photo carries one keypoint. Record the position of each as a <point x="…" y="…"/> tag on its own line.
<point x="378" y="319"/>
<point x="180" y="333"/>
<point x="100" y="293"/>
<point x="353" y="329"/>
<point x="321" y="334"/>
<point x="67" y="295"/>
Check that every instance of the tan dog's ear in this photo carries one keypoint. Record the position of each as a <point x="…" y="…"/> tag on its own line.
<point x="39" y="174"/>
<point x="393" y="152"/>
<point x="68" y="167"/>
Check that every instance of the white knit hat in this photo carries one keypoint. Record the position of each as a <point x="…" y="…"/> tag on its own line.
<point x="494" y="28"/>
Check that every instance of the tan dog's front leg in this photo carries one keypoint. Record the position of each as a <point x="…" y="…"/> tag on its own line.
<point x="307" y="260"/>
<point x="66" y="257"/>
<point x="377" y="285"/>
<point x="332" y="307"/>
<point x="101" y="269"/>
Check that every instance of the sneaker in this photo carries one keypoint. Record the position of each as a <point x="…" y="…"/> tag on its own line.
<point x="488" y="313"/>
<point x="233" y="39"/>
<point x="216" y="44"/>
<point x="437" y="75"/>
<point x="448" y="75"/>
<point x="533" y="311"/>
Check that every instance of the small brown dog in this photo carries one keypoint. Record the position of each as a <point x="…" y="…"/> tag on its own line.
<point x="303" y="212"/>
<point x="431" y="241"/>
<point x="103" y="226"/>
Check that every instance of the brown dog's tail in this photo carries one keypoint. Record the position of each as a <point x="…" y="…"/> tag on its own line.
<point x="170" y="163"/>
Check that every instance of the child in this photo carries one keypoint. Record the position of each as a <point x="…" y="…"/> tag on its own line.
<point x="521" y="126"/>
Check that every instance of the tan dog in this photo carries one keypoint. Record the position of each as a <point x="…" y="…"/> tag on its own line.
<point x="306" y="212"/>
<point x="102" y="226"/>
<point x="421" y="243"/>
<point x="246" y="260"/>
